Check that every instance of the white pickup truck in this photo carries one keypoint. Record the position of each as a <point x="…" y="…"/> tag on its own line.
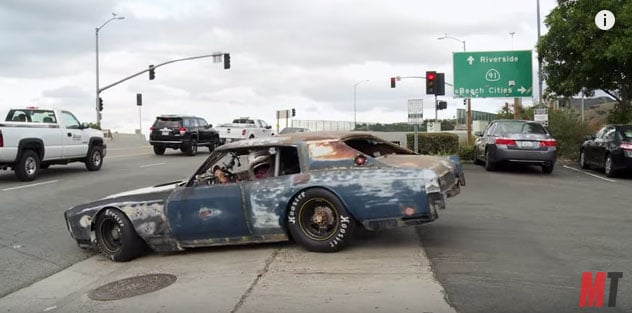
<point x="32" y="139"/>
<point x="243" y="128"/>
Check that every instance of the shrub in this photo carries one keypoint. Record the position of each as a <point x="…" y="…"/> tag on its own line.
<point x="569" y="131"/>
<point x="466" y="152"/>
<point x="434" y="143"/>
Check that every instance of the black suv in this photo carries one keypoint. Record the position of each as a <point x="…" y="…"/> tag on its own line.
<point x="182" y="132"/>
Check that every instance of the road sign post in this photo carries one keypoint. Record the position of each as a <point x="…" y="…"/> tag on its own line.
<point x="494" y="74"/>
<point x="415" y="116"/>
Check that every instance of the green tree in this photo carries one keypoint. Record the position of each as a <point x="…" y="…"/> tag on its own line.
<point x="577" y="56"/>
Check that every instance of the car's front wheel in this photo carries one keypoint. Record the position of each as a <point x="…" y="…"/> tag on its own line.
<point x="94" y="159"/>
<point x="582" y="159"/>
<point x="116" y="237"/>
<point x="319" y="221"/>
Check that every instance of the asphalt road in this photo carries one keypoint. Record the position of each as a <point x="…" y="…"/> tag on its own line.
<point x="518" y="240"/>
<point x="513" y="241"/>
<point x="34" y="241"/>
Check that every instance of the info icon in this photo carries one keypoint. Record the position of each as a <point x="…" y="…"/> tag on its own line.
<point x="604" y="20"/>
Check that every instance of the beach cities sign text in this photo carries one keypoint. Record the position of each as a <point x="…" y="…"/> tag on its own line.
<point x="493" y="74"/>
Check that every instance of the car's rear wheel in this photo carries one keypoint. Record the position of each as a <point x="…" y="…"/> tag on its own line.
<point x="191" y="148"/>
<point x="159" y="150"/>
<point x="116" y="237"/>
<point x="475" y="159"/>
<point x="582" y="159"/>
<point x="489" y="164"/>
<point x="609" y="167"/>
<point x="94" y="159"/>
<point x="547" y="169"/>
<point x="28" y="166"/>
<point x="318" y="221"/>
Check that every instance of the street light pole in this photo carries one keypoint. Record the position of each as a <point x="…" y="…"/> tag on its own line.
<point x="469" y="100"/>
<point x="355" y="102"/>
<point x="114" y="17"/>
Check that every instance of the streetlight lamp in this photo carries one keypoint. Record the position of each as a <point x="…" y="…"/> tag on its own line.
<point x="512" y="41"/>
<point x="114" y="17"/>
<point x="355" y="101"/>
<point x="453" y="38"/>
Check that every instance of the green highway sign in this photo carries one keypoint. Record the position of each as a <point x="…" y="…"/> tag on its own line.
<point x="494" y="74"/>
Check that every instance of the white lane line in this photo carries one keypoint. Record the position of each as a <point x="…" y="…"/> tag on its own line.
<point x="31" y="185"/>
<point x="148" y="165"/>
<point x="591" y="174"/>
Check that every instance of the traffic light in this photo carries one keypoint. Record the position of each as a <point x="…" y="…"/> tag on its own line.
<point x="293" y="112"/>
<point x="139" y="99"/>
<point x="442" y="105"/>
<point x="100" y="104"/>
<point x="440" y="84"/>
<point x="430" y="82"/>
<point x="465" y="101"/>
<point x="392" y="82"/>
<point x="226" y="61"/>
<point x="152" y="73"/>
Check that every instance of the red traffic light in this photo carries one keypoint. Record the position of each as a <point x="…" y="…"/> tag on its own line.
<point x="430" y="75"/>
<point x="392" y="82"/>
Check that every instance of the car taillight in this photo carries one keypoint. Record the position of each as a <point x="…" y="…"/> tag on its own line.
<point x="1" y="140"/>
<point x="182" y="130"/>
<point x="624" y="145"/>
<point x="505" y="141"/>
<point x="548" y="143"/>
<point x="243" y="132"/>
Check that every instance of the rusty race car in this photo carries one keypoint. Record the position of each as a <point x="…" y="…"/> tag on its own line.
<point x="313" y="188"/>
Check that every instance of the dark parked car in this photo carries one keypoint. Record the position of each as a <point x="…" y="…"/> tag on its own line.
<point x="313" y="188"/>
<point x="515" y="141"/>
<point x="610" y="149"/>
<point x="182" y="132"/>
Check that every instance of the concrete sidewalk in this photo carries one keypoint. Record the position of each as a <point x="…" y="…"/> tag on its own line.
<point x="383" y="272"/>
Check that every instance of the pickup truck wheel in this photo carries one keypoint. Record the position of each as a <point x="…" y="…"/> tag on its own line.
<point x="159" y="150"/>
<point x="28" y="166"/>
<point x="318" y="221"/>
<point x="116" y="237"/>
<point x="94" y="159"/>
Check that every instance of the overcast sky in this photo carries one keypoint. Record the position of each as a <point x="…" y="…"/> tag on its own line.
<point x="284" y="54"/>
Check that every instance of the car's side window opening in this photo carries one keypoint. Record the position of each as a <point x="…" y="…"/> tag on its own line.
<point x="374" y="147"/>
<point x="248" y="164"/>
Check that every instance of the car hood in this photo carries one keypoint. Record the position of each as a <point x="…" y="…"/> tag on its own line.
<point x="147" y="190"/>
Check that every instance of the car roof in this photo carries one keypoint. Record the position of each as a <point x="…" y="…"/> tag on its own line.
<point x="292" y="139"/>
<point x="176" y="116"/>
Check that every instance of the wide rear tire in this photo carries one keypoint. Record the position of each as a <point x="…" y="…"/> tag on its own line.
<point x="318" y="221"/>
<point x="489" y="164"/>
<point x="159" y="150"/>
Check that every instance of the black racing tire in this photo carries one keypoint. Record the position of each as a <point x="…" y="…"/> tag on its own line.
<point x="318" y="221"/>
<point x="489" y="164"/>
<point x="582" y="159"/>
<point x="94" y="160"/>
<point x="159" y="150"/>
<point x="116" y="237"/>
<point x="28" y="167"/>
<point x="608" y="167"/>
<point x="191" y="148"/>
